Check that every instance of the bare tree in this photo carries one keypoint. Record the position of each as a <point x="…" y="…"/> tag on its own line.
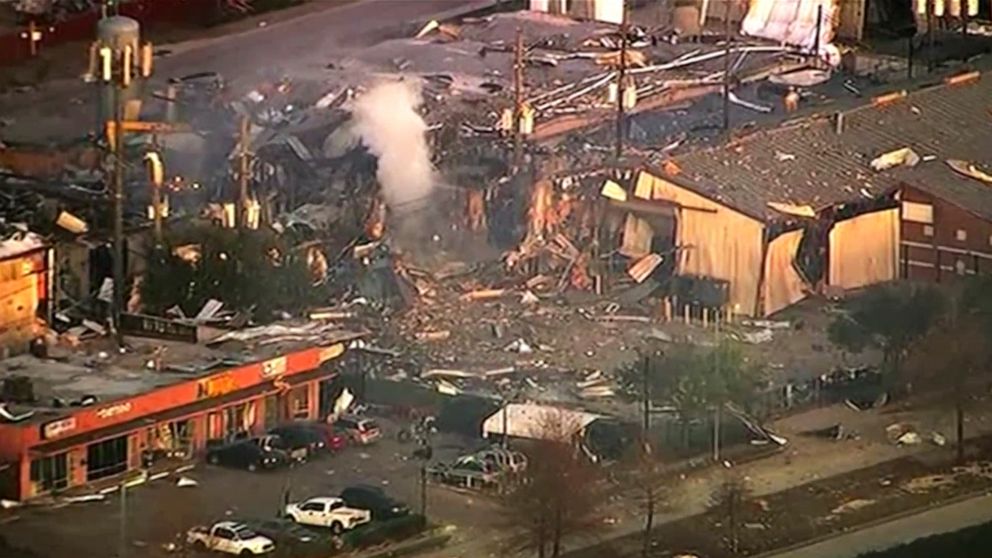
<point x="729" y="499"/>
<point x="559" y="493"/>
<point x="647" y="480"/>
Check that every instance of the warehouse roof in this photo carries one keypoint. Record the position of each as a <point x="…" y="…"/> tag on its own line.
<point x="811" y="163"/>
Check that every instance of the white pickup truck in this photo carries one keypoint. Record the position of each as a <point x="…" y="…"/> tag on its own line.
<point x="230" y="538"/>
<point x="327" y="511"/>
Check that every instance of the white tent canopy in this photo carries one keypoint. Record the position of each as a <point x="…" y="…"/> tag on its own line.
<point x="533" y="421"/>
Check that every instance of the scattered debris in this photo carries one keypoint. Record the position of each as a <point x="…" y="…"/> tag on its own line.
<point x="900" y="157"/>
<point x="186" y="482"/>
<point x="969" y="170"/>
<point x="938" y="439"/>
<point x="852" y="505"/>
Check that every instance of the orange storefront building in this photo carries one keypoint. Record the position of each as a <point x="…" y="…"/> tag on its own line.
<point x="90" y="445"/>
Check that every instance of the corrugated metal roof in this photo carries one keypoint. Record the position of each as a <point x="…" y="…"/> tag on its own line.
<point x="808" y="163"/>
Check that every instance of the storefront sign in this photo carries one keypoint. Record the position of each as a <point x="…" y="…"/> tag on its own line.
<point x="216" y="386"/>
<point x="160" y="328"/>
<point x="57" y="428"/>
<point x="114" y="410"/>
<point x="274" y="368"/>
<point x="332" y="352"/>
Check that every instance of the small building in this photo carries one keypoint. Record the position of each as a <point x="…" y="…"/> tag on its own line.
<point x="814" y="206"/>
<point x="89" y="417"/>
<point x="26" y="284"/>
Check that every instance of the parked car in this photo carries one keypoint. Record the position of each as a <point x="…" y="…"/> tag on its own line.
<point x="293" y="539"/>
<point x="334" y="438"/>
<point x="328" y="512"/>
<point x="360" y="430"/>
<point x="298" y="436"/>
<point x="246" y="454"/>
<point x="505" y="460"/>
<point x="230" y="537"/>
<point x="274" y="443"/>
<point x="375" y="500"/>
<point x="468" y="471"/>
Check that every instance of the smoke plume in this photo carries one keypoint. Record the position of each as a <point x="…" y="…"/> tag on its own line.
<point x="386" y="118"/>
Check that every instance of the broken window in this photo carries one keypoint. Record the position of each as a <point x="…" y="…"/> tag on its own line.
<point x="170" y="440"/>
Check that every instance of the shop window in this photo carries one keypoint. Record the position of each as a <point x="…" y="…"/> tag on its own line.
<point x="240" y="419"/>
<point x="959" y="267"/>
<point x="215" y="426"/>
<point x="107" y="458"/>
<point x="299" y="403"/>
<point x="170" y="440"/>
<point x="271" y="411"/>
<point x="50" y="473"/>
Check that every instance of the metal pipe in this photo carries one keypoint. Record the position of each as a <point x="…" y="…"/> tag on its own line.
<point x="726" y="68"/>
<point x="621" y="78"/>
<point x="819" y="27"/>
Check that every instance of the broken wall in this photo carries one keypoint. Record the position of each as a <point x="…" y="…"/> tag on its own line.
<point x="23" y="287"/>
<point x="783" y="286"/>
<point x="610" y="11"/>
<point x="715" y="241"/>
<point x="864" y="250"/>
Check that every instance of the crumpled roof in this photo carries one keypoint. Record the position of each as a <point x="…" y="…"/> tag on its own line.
<point x="534" y="421"/>
<point x="809" y="163"/>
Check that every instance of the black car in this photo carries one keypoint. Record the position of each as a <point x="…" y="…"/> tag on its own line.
<point x="291" y="538"/>
<point x="374" y="499"/>
<point x="298" y="436"/>
<point x="246" y="454"/>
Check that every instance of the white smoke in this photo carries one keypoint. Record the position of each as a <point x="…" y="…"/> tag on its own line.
<point x="387" y="120"/>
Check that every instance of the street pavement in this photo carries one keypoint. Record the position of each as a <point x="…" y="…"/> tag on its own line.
<point x="302" y="47"/>
<point x="887" y="535"/>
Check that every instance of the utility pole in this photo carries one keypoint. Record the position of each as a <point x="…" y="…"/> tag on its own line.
<point x="118" y="193"/>
<point x="726" y="67"/>
<point x="122" y="543"/>
<point x="931" y="60"/>
<point x="518" y="101"/>
<point x="621" y="79"/>
<point x="646" y="392"/>
<point x="241" y="216"/>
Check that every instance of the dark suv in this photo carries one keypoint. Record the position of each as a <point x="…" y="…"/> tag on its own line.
<point x="375" y="500"/>
<point x="245" y="454"/>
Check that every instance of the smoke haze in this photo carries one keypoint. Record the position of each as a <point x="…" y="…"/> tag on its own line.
<point x="386" y="119"/>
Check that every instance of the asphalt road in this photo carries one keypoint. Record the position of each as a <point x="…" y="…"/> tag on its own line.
<point x="301" y="46"/>
<point x="887" y="535"/>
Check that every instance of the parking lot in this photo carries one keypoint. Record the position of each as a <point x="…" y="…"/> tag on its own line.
<point x="159" y="512"/>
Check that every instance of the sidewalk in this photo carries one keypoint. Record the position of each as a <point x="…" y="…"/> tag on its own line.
<point x="804" y="460"/>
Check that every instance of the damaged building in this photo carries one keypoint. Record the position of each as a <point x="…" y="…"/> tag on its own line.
<point x="830" y="203"/>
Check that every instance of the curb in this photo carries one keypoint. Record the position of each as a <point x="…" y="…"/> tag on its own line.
<point x="135" y="482"/>
<point x="876" y="522"/>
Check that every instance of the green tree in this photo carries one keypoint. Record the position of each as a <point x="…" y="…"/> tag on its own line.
<point x="697" y="381"/>
<point x="888" y="317"/>
<point x="251" y="271"/>
<point x="956" y="351"/>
